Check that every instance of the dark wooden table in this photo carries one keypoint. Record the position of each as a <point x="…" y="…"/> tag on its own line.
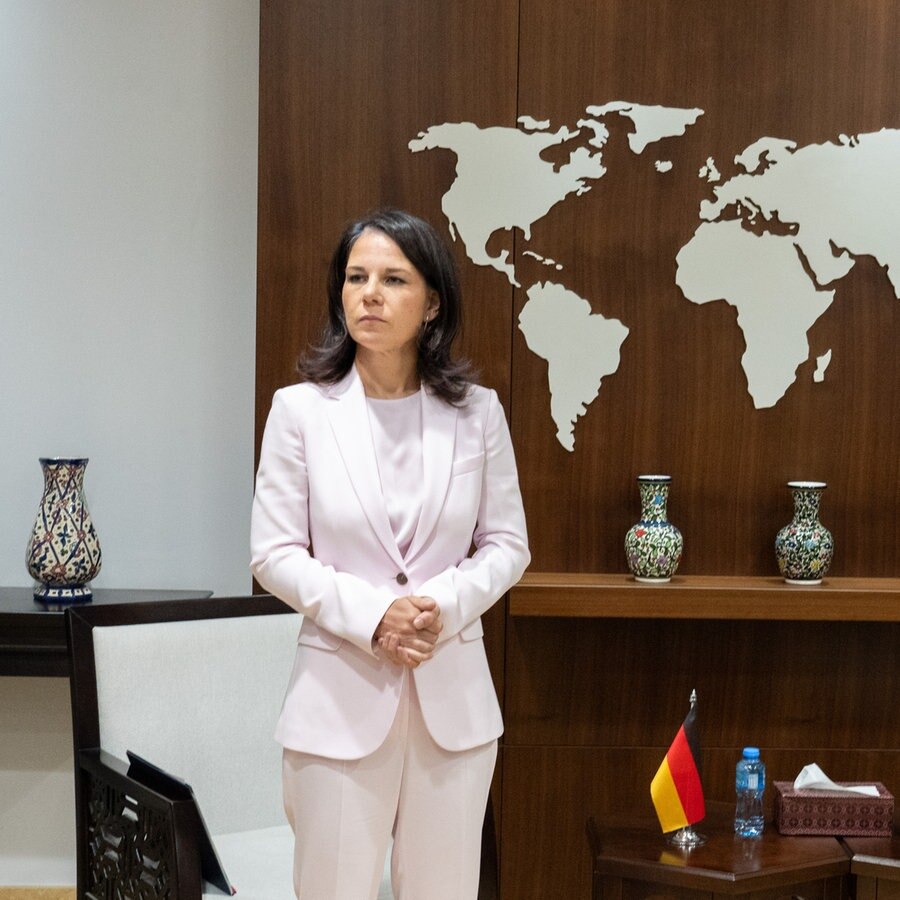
<point x="876" y="864"/>
<point x="33" y="635"/>
<point x="636" y="863"/>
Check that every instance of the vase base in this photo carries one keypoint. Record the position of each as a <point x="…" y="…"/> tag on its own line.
<point x="803" y="581"/>
<point x="79" y="593"/>
<point x="645" y="579"/>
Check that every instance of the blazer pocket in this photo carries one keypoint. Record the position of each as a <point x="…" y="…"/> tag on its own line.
<point x="471" y="464"/>
<point x="472" y="631"/>
<point x="313" y="636"/>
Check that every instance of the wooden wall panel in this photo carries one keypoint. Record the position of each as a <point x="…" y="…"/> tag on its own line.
<point x="344" y="87"/>
<point x="590" y="706"/>
<point x="807" y="70"/>
<point x="623" y="683"/>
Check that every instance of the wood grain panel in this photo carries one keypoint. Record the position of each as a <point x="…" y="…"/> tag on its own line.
<point x="591" y="705"/>
<point x="808" y="71"/>
<point x="344" y="87"/>
<point x="616" y="682"/>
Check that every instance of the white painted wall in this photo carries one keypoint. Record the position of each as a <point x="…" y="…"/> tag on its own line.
<point x="128" y="154"/>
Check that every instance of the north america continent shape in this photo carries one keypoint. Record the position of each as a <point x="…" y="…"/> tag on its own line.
<point x="503" y="182"/>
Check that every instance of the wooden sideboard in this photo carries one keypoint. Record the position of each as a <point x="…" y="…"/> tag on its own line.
<point x="33" y="635"/>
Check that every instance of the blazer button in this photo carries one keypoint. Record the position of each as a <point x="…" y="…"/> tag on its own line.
<point x="401" y="578"/>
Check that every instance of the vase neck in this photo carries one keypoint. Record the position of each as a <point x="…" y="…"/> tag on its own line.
<point x="63" y="477"/>
<point x="806" y="504"/>
<point x="654" y="498"/>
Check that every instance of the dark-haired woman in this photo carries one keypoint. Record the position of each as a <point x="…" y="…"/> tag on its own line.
<point x="388" y="512"/>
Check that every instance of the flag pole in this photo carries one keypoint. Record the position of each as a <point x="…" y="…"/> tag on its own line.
<point x="686" y="838"/>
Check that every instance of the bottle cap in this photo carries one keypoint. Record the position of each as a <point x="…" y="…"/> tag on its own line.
<point x="751" y="752"/>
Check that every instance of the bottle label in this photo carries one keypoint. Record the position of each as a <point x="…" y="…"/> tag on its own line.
<point x="752" y="781"/>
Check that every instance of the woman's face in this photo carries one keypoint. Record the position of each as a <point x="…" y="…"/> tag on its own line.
<point x="385" y="298"/>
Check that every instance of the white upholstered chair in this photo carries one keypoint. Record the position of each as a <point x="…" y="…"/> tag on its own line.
<point x="194" y="687"/>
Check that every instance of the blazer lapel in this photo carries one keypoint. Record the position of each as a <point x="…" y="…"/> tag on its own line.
<point x="438" y="444"/>
<point x="349" y="418"/>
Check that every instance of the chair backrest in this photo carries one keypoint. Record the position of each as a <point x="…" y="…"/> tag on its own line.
<point x="195" y="687"/>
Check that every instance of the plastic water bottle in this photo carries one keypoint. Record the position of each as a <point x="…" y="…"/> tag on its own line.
<point x="749" y="783"/>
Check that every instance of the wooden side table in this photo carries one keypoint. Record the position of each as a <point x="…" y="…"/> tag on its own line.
<point x="636" y="863"/>
<point x="33" y="636"/>
<point x="876" y="864"/>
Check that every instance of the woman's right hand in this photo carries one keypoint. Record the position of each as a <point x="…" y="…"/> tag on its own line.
<point x="409" y="630"/>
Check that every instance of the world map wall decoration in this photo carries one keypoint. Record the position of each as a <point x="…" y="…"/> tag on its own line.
<point x="772" y="240"/>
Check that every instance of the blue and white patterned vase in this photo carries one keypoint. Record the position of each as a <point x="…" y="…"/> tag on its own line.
<point x="804" y="548"/>
<point x="63" y="552"/>
<point x="653" y="547"/>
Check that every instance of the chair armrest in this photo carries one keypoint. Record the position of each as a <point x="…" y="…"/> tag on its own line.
<point x="132" y="841"/>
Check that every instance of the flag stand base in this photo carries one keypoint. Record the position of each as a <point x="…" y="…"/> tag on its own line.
<point x="686" y="838"/>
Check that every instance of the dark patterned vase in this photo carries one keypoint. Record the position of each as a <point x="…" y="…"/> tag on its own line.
<point x="653" y="547"/>
<point x="63" y="551"/>
<point x="804" y="548"/>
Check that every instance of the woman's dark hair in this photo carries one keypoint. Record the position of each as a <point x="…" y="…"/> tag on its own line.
<point x="330" y="360"/>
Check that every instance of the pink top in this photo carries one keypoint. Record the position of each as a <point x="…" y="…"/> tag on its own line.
<point x="396" y="427"/>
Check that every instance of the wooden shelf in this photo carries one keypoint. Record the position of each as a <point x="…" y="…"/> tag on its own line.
<point x="587" y="595"/>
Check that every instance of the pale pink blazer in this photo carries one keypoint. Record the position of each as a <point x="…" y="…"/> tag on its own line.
<point x="322" y="542"/>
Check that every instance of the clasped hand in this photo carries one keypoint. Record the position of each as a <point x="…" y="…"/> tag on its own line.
<point x="408" y="631"/>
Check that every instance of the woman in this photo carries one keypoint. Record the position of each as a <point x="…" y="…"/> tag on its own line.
<point x="378" y="475"/>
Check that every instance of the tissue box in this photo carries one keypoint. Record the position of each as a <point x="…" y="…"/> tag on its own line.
<point x="824" y="812"/>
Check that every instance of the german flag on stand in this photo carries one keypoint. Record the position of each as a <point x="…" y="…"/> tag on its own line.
<point x="676" y="789"/>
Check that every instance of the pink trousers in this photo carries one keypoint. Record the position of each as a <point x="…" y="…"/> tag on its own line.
<point x="431" y="800"/>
